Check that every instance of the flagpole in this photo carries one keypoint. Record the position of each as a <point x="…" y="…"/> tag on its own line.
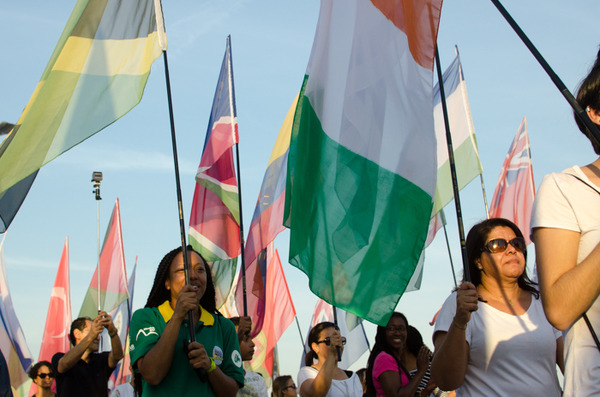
<point x="335" y="321"/>
<point x="239" y="174"/>
<point x="301" y="337"/>
<point x="459" y="217"/>
<point x="579" y="111"/>
<point x="96" y="180"/>
<point x="443" y="216"/>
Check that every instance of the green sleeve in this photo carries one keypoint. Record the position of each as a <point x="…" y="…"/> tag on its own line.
<point x="144" y="332"/>
<point x="232" y="359"/>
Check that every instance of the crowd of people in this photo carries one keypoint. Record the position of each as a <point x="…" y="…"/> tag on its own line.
<point x="497" y="334"/>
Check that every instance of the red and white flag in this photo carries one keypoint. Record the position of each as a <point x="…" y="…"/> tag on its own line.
<point x="113" y="278"/>
<point x="58" y="319"/>
<point x="515" y="190"/>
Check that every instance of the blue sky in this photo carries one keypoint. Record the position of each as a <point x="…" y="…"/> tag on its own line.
<point x="271" y="42"/>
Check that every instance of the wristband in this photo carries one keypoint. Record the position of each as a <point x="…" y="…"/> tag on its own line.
<point x="213" y="365"/>
<point x="113" y="335"/>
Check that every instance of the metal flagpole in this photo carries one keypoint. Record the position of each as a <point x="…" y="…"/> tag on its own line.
<point x="459" y="217"/>
<point x="96" y="179"/>
<point x="232" y="111"/>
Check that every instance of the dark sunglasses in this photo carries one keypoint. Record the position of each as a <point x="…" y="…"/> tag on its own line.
<point x="43" y="376"/>
<point x="500" y="245"/>
<point x="292" y="386"/>
<point x="327" y="341"/>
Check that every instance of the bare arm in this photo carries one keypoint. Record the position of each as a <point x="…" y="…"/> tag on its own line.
<point x="75" y="354"/>
<point x="222" y="384"/>
<point x="451" y="356"/>
<point x="116" y="353"/>
<point x="391" y="381"/>
<point x="155" y="365"/>
<point x="320" y="385"/>
<point x="568" y="289"/>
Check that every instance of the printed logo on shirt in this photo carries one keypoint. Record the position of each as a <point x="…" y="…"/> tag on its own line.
<point x="131" y="347"/>
<point x="146" y="332"/>
<point x="236" y="357"/>
<point x="217" y="355"/>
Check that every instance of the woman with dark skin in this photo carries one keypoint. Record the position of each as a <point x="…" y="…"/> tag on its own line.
<point x="160" y="331"/>
<point x="386" y="371"/>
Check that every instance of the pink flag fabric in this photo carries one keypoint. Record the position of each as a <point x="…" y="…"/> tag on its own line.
<point x="113" y="279"/>
<point x="58" y="319"/>
<point x="515" y="190"/>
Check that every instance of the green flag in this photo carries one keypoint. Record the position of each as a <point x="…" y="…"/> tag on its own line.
<point x="96" y="74"/>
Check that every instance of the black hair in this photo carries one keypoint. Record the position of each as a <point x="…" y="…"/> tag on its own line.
<point x="33" y="371"/>
<point x="279" y="384"/>
<point x="476" y="240"/>
<point x="159" y="293"/>
<point x="382" y="345"/>
<point x="588" y="95"/>
<point x="78" y="323"/>
<point x="313" y="337"/>
<point x="414" y="340"/>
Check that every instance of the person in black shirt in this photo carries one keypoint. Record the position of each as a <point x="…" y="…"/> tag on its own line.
<point x="82" y="370"/>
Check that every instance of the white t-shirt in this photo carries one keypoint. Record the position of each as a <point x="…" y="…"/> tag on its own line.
<point x="350" y="387"/>
<point x="254" y="386"/>
<point x="508" y="355"/>
<point x="565" y="202"/>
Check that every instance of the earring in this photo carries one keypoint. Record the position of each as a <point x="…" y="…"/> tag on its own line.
<point x="587" y="109"/>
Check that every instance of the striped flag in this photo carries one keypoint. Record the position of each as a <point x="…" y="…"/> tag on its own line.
<point x="362" y="160"/>
<point x="215" y="216"/>
<point x="12" y="340"/>
<point x="515" y="190"/>
<point x="280" y="315"/>
<point x="58" y="318"/>
<point x="466" y="155"/>
<point x="266" y="225"/>
<point x="113" y="277"/>
<point x="96" y="74"/>
<point x="121" y="318"/>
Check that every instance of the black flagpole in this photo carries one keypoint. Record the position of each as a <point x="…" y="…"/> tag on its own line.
<point x="186" y="267"/>
<point x="239" y="176"/>
<point x="459" y="217"/>
<point x="579" y="111"/>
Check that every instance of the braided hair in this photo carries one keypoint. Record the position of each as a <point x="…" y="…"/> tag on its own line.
<point x="159" y="293"/>
<point x="382" y="345"/>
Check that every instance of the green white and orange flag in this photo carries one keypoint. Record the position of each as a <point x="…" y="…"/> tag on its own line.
<point x="113" y="276"/>
<point x="362" y="161"/>
<point x="96" y="74"/>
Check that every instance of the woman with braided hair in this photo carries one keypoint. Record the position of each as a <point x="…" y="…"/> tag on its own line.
<point x="159" y="333"/>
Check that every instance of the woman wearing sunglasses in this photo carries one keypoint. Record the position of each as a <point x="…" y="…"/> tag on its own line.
<point x="386" y="370"/>
<point x="565" y="229"/>
<point x="43" y="377"/>
<point x="321" y="376"/>
<point x="283" y="386"/>
<point x="491" y="336"/>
